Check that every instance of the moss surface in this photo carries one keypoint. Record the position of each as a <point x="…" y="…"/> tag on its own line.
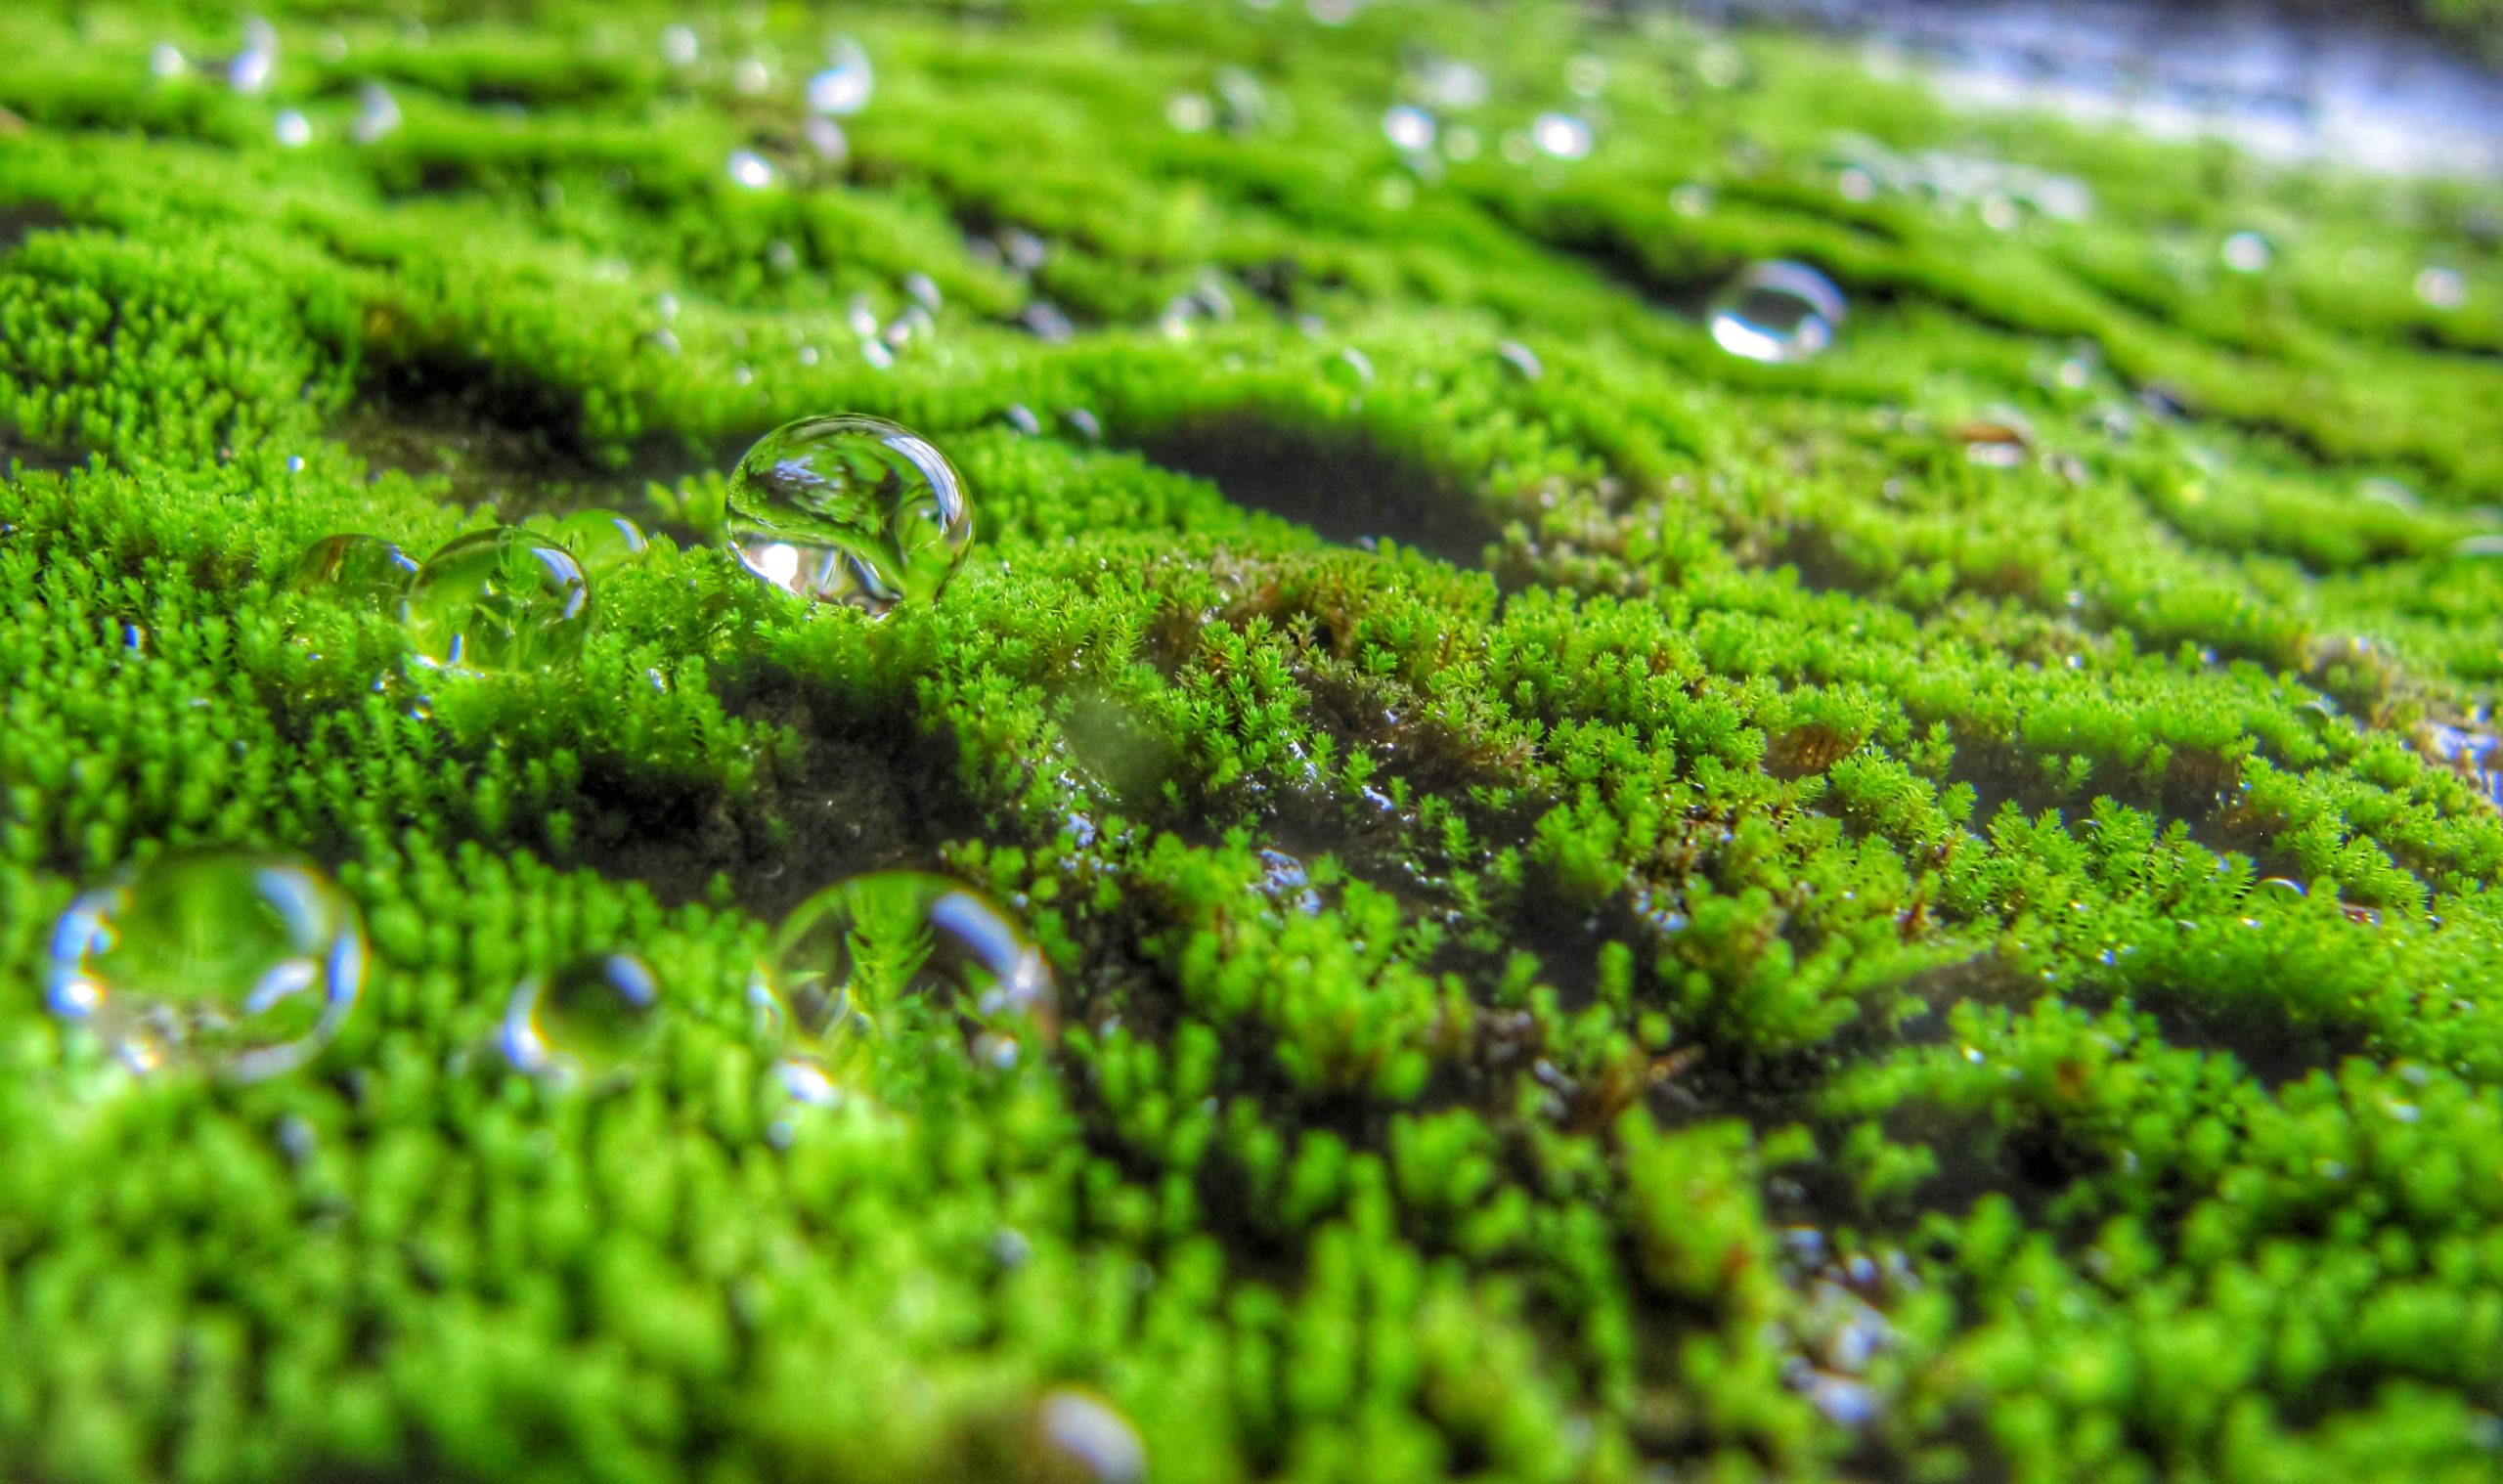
<point x="1657" y="919"/>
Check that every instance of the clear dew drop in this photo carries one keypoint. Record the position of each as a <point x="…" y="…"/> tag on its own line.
<point x="360" y="571"/>
<point x="1775" y="312"/>
<point x="2246" y="253"/>
<point x="1560" y="136"/>
<point x="242" y="963"/>
<point x="1409" y="128"/>
<point x="679" y="46"/>
<point x="750" y="170"/>
<point x="847" y="954"/>
<point x="600" y="539"/>
<point x="2441" y="288"/>
<point x="843" y="89"/>
<point x="293" y="129"/>
<point x="1190" y="113"/>
<point x="378" y="114"/>
<point x="1081" y="1438"/>
<point x="590" y="1021"/>
<point x="252" y="69"/>
<point x="499" y="599"/>
<point x="1349" y="371"/>
<point x="166" y="62"/>
<point x="849" y="510"/>
<point x="1522" y="361"/>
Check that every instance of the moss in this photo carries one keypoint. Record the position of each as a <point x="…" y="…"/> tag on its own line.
<point x="1651" y="918"/>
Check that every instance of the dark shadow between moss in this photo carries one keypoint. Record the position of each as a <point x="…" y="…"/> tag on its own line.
<point x="1341" y="485"/>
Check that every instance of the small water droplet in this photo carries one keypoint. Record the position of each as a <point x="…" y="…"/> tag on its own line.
<point x="2441" y="288"/>
<point x="1349" y="371"/>
<point x="257" y="62"/>
<point x="1693" y="199"/>
<point x="750" y="169"/>
<point x="1080" y="1437"/>
<point x="843" y="89"/>
<point x="1408" y="128"/>
<point x="923" y="290"/>
<point x="377" y="113"/>
<point x="247" y="964"/>
<point x="849" y="510"/>
<point x="497" y="599"/>
<point x="1022" y="417"/>
<point x="2246" y="253"/>
<point x="1045" y="322"/>
<point x="679" y="46"/>
<point x="1560" y="136"/>
<point x="590" y="1021"/>
<point x="751" y="77"/>
<point x="845" y="955"/>
<point x="1190" y="113"/>
<point x="600" y="539"/>
<point x="1521" y="359"/>
<point x="1084" y="424"/>
<point x="360" y="571"/>
<point x="166" y="62"/>
<point x="1778" y="311"/>
<point x="293" y="130"/>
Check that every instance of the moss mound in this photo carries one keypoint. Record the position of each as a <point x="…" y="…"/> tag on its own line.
<point x="1622" y="913"/>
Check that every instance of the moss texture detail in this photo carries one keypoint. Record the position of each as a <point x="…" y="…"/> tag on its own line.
<point x="1623" y="914"/>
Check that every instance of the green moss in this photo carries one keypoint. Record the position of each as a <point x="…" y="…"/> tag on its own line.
<point x="1655" y="916"/>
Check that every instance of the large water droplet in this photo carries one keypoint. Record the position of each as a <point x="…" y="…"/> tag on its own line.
<point x="849" y="510"/>
<point x="240" y="962"/>
<point x="843" y="89"/>
<point x="499" y="599"/>
<point x="586" y="1021"/>
<point x="360" y="571"/>
<point x="1080" y="1439"/>
<point x="600" y="539"/>
<point x="849" y="953"/>
<point x="1778" y="311"/>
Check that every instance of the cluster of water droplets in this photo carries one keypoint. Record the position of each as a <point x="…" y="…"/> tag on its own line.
<point x="2001" y="192"/>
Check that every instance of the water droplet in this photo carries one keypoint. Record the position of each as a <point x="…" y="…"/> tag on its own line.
<point x="1778" y="311"/>
<point x="751" y="169"/>
<point x="1693" y="199"/>
<point x="1190" y="113"/>
<point x="679" y="46"/>
<point x="843" y="89"/>
<point x="1408" y="128"/>
<point x="1022" y="417"/>
<point x="2441" y="288"/>
<point x="1521" y="359"/>
<point x="293" y="130"/>
<point x="2479" y="546"/>
<point x="1046" y="321"/>
<point x="1081" y="1438"/>
<point x="2246" y="253"/>
<point x="588" y="1021"/>
<point x="377" y="113"/>
<point x="498" y="599"/>
<point x="600" y="539"/>
<point x="849" y="510"/>
<point x="1451" y="84"/>
<point x="1854" y="183"/>
<point x="1349" y="371"/>
<point x="845" y="955"/>
<point x="1560" y="136"/>
<point x="361" y="571"/>
<point x="923" y="290"/>
<point x="1023" y="249"/>
<point x="167" y="62"/>
<point x="1084" y="424"/>
<point x="257" y="62"/>
<point x="826" y="138"/>
<point x="751" y="77"/>
<point x="244" y="963"/>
